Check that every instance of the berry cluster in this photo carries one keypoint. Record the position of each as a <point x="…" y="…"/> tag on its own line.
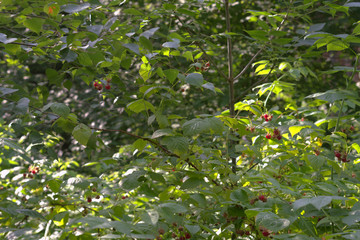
<point x="251" y="129"/>
<point x="276" y="135"/>
<point x="267" y="117"/>
<point x="261" y="198"/>
<point x="204" y="67"/>
<point x="178" y="233"/>
<point x="341" y="157"/>
<point x="316" y="152"/>
<point x="242" y="232"/>
<point x="32" y="170"/>
<point x="98" y="86"/>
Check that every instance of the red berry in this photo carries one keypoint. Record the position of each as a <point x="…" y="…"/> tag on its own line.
<point x="268" y="136"/>
<point x="316" y="152"/>
<point x="99" y="87"/>
<point x="279" y="137"/>
<point x="352" y="128"/>
<point x="337" y="154"/>
<point x="265" y="233"/>
<point x="247" y="233"/>
<point x="276" y="131"/>
<point x="187" y="235"/>
<point x="33" y="171"/>
<point x="30" y="176"/>
<point x="107" y="86"/>
<point x="123" y="197"/>
<point x="197" y="68"/>
<point x="262" y="198"/>
<point x="240" y="232"/>
<point x="24" y="175"/>
<point x="89" y="199"/>
<point x="96" y="84"/>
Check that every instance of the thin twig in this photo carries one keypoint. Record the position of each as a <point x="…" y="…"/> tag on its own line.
<point x="261" y="49"/>
<point x="255" y="84"/>
<point x="230" y="76"/>
<point x="191" y="32"/>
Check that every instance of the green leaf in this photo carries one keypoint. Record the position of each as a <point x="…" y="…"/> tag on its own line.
<point x="145" y="71"/>
<point x="198" y="126"/>
<point x="54" y="185"/>
<point x="239" y="195"/>
<point x="296" y="129"/>
<point x="317" y="202"/>
<point x="146" y="43"/>
<point x="193" y="229"/>
<point x="4" y="91"/>
<point x="22" y="105"/>
<point x="192" y="183"/>
<point x="316" y="162"/>
<point x="337" y="46"/>
<point x="133" y="11"/>
<point x="174" y="44"/>
<point x="60" y="109"/>
<point x="171" y="74"/>
<point x="140" y="105"/>
<point x="30" y="213"/>
<point x="74" y="8"/>
<point x="271" y="221"/>
<point x="334" y="95"/>
<point x="133" y="47"/>
<point x="149" y="33"/>
<point x="168" y="6"/>
<point x="195" y="79"/>
<point x="34" y="24"/>
<point x="179" y="145"/>
<point x="53" y="76"/>
<point x="209" y="86"/>
<point x="352" y="219"/>
<point x="173" y="207"/>
<point x="121" y="226"/>
<point x="150" y="216"/>
<point x="162" y="132"/>
<point x="258" y="35"/>
<point x="356" y="30"/>
<point x="131" y="182"/>
<point x="82" y="133"/>
<point x="94" y="222"/>
<point x="84" y="59"/>
<point x="139" y="144"/>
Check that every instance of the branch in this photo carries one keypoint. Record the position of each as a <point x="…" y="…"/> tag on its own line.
<point x="165" y="150"/>
<point x="261" y="49"/>
<point x="191" y="32"/>
<point x="255" y="84"/>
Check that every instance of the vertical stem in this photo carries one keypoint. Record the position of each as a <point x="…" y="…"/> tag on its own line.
<point x="230" y="76"/>
<point x="229" y="56"/>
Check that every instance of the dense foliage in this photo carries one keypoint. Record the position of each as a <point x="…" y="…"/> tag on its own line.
<point x="197" y="119"/>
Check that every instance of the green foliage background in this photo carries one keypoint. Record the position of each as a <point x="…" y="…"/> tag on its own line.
<point x="216" y="119"/>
